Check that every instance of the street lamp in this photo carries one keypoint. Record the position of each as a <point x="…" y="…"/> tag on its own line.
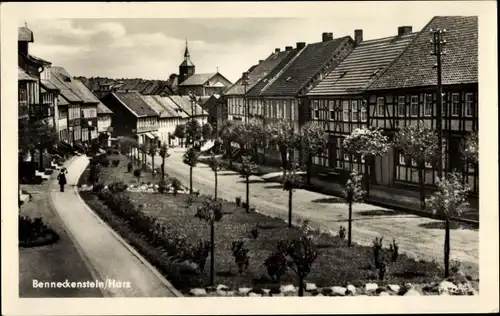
<point x="437" y="43"/>
<point x="193" y="98"/>
<point x="244" y="82"/>
<point x="90" y="128"/>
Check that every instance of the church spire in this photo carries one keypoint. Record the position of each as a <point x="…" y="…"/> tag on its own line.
<point x="186" y="52"/>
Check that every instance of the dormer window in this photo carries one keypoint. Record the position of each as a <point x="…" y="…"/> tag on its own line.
<point x="288" y="79"/>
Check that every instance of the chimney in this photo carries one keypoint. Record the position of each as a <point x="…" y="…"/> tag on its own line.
<point x="260" y="61"/>
<point x="358" y="36"/>
<point x="277" y="50"/>
<point x="288" y="48"/>
<point x="327" y="37"/>
<point x="301" y="45"/>
<point x="403" y="30"/>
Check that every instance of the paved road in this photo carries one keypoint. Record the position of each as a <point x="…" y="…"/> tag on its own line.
<point x="419" y="237"/>
<point x="107" y="256"/>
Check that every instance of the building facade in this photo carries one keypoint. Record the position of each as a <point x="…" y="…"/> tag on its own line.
<point x="169" y="116"/>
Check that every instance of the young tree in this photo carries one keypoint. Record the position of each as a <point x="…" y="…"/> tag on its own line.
<point x="207" y="131"/>
<point x="126" y="145"/>
<point x="210" y="211"/>
<point x="313" y="140"/>
<point x="163" y="152"/>
<point x="470" y="147"/>
<point x="215" y="164"/>
<point x="248" y="168"/>
<point x="367" y="143"/>
<point x="144" y="147"/>
<point x="299" y="255"/>
<point x="420" y="144"/>
<point x="180" y="132"/>
<point x="256" y="134"/>
<point x="191" y="159"/>
<point x="152" y="151"/>
<point x="228" y="135"/>
<point x="284" y="136"/>
<point x="353" y="193"/>
<point x="448" y="201"/>
<point x="291" y="180"/>
<point x="193" y="131"/>
<point x="94" y="173"/>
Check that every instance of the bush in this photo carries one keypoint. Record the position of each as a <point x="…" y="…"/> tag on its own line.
<point x="137" y="174"/>
<point x="109" y="152"/>
<point x="104" y="161"/>
<point x="98" y="187"/>
<point x="116" y="162"/>
<point x="176" y="185"/>
<point x="276" y="265"/>
<point x="35" y="232"/>
<point x="238" y="201"/>
<point x="342" y="231"/>
<point x="378" y="251"/>
<point x="199" y="254"/>
<point x="116" y="152"/>
<point x="129" y="167"/>
<point x="117" y="187"/>
<point x="240" y="254"/>
<point x="394" y="249"/>
<point x="163" y="186"/>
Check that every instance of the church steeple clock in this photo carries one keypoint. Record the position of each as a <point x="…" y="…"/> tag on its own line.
<point x="187" y="68"/>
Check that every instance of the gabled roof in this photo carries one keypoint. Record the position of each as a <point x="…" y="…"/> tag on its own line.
<point x="302" y="69"/>
<point x="24" y="34"/>
<point x="145" y="87"/>
<point x="23" y="76"/>
<point x="162" y="108"/>
<point x="48" y="85"/>
<point x="258" y="73"/>
<point x="198" y="79"/>
<point x="91" y="97"/>
<point x="367" y="61"/>
<point x="184" y="103"/>
<point x="256" y="90"/>
<point x="169" y="104"/>
<point x="415" y="67"/>
<point x="61" y="100"/>
<point x="62" y="80"/>
<point x="133" y="101"/>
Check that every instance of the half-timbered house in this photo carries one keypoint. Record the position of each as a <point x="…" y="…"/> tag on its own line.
<point x="406" y="94"/>
<point x="337" y="102"/>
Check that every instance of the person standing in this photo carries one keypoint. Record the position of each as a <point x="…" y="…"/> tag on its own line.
<point x="62" y="179"/>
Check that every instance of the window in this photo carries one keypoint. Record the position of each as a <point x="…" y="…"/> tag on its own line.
<point x="364" y="117"/>
<point x="345" y="110"/>
<point x="332" y="115"/>
<point x="354" y="113"/>
<point x="469" y="104"/>
<point x="428" y="105"/>
<point x="414" y="105"/>
<point x="346" y="157"/>
<point x="316" y="114"/>
<point x="362" y="158"/>
<point x="292" y="110"/>
<point x="401" y="106"/>
<point x="380" y="106"/>
<point x="455" y="104"/>
<point x="428" y="164"/>
<point x="402" y="159"/>
<point x="413" y="162"/>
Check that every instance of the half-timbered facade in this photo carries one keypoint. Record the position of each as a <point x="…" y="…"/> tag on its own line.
<point x="27" y="93"/>
<point x="337" y="102"/>
<point x="406" y="94"/>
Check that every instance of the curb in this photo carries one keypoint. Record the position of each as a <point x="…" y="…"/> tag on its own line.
<point x="134" y="252"/>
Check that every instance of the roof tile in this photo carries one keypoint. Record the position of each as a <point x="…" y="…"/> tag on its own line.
<point x="198" y="79"/>
<point x="415" y="67"/>
<point x="133" y="100"/>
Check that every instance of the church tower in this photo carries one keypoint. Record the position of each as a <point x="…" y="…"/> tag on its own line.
<point x="186" y="69"/>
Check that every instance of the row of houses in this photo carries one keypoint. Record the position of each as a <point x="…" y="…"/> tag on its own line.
<point x="49" y="93"/>
<point x="346" y="83"/>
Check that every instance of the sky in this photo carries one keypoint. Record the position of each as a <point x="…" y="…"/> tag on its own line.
<point x="153" y="48"/>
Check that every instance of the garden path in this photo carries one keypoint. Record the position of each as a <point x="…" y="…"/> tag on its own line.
<point x="109" y="257"/>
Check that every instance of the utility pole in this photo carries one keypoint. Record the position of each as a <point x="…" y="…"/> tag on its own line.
<point x="244" y="82"/>
<point x="438" y="42"/>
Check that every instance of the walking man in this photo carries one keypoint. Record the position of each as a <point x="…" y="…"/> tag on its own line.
<point x="62" y="178"/>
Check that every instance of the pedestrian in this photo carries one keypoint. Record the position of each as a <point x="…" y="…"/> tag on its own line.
<point x="62" y="178"/>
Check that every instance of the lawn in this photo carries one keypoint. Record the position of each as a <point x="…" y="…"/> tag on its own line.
<point x="336" y="264"/>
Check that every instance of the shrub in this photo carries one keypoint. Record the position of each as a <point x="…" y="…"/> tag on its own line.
<point x="117" y="187"/>
<point x="238" y="200"/>
<point x="377" y="251"/>
<point x="342" y="231"/>
<point x="109" y="152"/>
<point x="394" y="249"/>
<point x="116" y="162"/>
<point x="276" y="265"/>
<point x="104" y="161"/>
<point x="455" y="265"/>
<point x="137" y="174"/>
<point x="176" y="185"/>
<point x="129" y="167"/>
<point x="163" y="186"/>
<point x="254" y="233"/>
<point x="116" y="152"/>
<point x="199" y="254"/>
<point x="382" y="269"/>
<point x="240" y="255"/>
<point x="94" y="173"/>
<point x="189" y="201"/>
<point x="98" y="187"/>
<point x="33" y="230"/>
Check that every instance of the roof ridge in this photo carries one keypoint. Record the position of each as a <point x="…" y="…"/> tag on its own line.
<point x="283" y="69"/>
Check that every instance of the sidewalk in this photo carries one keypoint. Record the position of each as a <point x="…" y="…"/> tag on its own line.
<point x="56" y="262"/>
<point x="109" y="257"/>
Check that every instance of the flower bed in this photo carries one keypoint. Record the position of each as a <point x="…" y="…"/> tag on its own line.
<point x="35" y="233"/>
